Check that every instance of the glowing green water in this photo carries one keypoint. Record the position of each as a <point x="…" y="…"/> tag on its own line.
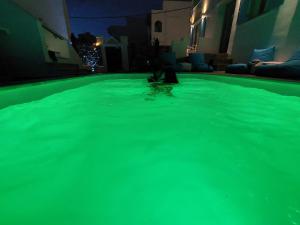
<point x="120" y="153"/>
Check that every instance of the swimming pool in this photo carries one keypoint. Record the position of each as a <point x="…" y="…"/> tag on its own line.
<point x="112" y="150"/>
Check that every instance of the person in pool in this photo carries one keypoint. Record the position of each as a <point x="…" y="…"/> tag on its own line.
<point x="162" y="73"/>
<point x="162" y="81"/>
<point x="170" y="76"/>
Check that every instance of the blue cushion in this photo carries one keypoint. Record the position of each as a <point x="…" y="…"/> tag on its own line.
<point x="266" y="70"/>
<point x="296" y="56"/>
<point x="202" y="67"/>
<point x="168" y="58"/>
<point x="198" y="63"/>
<point x="240" y="68"/>
<point x="184" y="67"/>
<point x="289" y="69"/>
<point x="175" y="67"/>
<point x="264" y="55"/>
<point x="197" y="58"/>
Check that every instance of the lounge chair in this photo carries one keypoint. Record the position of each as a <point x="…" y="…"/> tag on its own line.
<point x="263" y="55"/>
<point x="289" y="69"/>
<point x="198" y="63"/>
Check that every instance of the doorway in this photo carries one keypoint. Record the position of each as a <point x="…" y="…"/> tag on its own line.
<point x="114" y="59"/>
<point x="227" y="25"/>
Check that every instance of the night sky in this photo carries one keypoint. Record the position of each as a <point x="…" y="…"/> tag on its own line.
<point x="106" y="8"/>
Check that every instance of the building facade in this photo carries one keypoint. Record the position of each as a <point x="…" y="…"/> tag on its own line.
<point x="171" y="23"/>
<point x="138" y="34"/>
<point x="52" y="13"/>
<point x="35" y="39"/>
<point x="268" y="23"/>
<point x="213" y="25"/>
<point x="236" y="27"/>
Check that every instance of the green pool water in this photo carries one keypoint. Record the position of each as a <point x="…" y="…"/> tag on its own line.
<point x="120" y="152"/>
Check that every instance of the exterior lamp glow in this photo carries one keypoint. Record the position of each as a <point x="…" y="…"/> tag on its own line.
<point x="205" y="6"/>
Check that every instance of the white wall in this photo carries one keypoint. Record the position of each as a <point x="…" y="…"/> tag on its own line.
<point x="211" y="42"/>
<point x="279" y="28"/>
<point x="54" y="43"/>
<point x="175" y="25"/>
<point x="214" y="10"/>
<point x="180" y="47"/>
<point x="53" y="14"/>
<point x="64" y="51"/>
<point x="22" y="46"/>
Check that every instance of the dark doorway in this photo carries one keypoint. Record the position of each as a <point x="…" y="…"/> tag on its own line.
<point x="228" y="19"/>
<point x="158" y="26"/>
<point x="114" y="59"/>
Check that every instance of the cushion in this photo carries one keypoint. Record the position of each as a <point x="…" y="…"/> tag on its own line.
<point x="289" y="69"/>
<point x="240" y="68"/>
<point x="175" y="67"/>
<point x="202" y="67"/>
<point x="196" y="58"/>
<point x="198" y="63"/>
<point x="265" y="55"/>
<point x="296" y="56"/>
<point x="168" y="58"/>
<point x="266" y="70"/>
<point x="185" y="67"/>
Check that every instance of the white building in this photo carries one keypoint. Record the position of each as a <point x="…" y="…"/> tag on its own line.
<point x="54" y="18"/>
<point x="172" y="23"/>
<point x="52" y="13"/>
<point x="213" y="25"/>
<point x="277" y="24"/>
<point x="37" y="39"/>
<point x="236" y="27"/>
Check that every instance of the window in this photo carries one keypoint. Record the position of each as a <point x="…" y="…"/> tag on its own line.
<point x="198" y="31"/>
<point x="203" y="26"/>
<point x="158" y="27"/>
<point x="192" y="36"/>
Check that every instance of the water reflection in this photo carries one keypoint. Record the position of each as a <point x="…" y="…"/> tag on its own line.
<point x="159" y="89"/>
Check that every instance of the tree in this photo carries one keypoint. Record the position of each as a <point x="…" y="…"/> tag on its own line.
<point x="87" y="39"/>
<point x="89" y="53"/>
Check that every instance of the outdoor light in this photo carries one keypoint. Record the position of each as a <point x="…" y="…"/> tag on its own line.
<point x="205" y="6"/>
<point x="203" y="17"/>
<point x="192" y="19"/>
<point x="98" y="43"/>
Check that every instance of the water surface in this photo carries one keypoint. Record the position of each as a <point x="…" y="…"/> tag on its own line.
<point x="119" y="152"/>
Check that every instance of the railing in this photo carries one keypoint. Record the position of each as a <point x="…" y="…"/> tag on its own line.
<point x="193" y="49"/>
